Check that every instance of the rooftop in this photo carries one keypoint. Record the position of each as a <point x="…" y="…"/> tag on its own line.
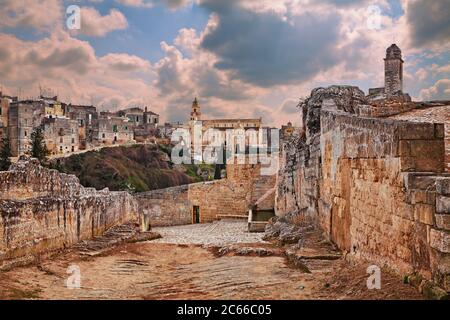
<point x="439" y="114"/>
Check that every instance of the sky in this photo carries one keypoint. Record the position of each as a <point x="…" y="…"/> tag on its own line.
<point x="241" y="58"/>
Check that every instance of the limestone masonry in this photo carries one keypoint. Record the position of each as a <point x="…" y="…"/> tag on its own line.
<point x="43" y="210"/>
<point x="232" y="197"/>
<point x="377" y="186"/>
<point x="372" y="172"/>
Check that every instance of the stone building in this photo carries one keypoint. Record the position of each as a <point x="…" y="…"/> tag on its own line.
<point x="231" y="197"/>
<point x="61" y="135"/>
<point x="23" y="117"/>
<point x="5" y="102"/>
<point x="393" y="77"/>
<point x="112" y="129"/>
<point x="393" y="71"/>
<point x="69" y="128"/>
<point x="139" y="117"/>
<point x="289" y="130"/>
<point x="87" y="118"/>
<point x="168" y="128"/>
<point x="53" y="107"/>
<point x="239" y="134"/>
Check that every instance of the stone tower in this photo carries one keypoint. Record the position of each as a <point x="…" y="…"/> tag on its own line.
<point x="393" y="71"/>
<point x="195" y="112"/>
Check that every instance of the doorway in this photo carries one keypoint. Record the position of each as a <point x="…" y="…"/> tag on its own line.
<point x="196" y="214"/>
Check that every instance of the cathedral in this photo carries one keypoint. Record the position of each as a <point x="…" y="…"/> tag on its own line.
<point x="235" y="131"/>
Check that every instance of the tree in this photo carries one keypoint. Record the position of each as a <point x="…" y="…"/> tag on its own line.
<point x="38" y="148"/>
<point x="5" y="154"/>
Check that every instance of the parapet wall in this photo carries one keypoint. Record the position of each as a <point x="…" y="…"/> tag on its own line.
<point x="230" y="197"/>
<point x="375" y="186"/>
<point x="43" y="210"/>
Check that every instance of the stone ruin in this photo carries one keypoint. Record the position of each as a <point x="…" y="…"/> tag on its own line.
<point x="43" y="210"/>
<point x="378" y="187"/>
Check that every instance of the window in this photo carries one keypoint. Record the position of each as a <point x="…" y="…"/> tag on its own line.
<point x="26" y="134"/>
<point x="115" y="128"/>
<point x="73" y="140"/>
<point x="0" y="111"/>
<point x="61" y="140"/>
<point x="103" y="135"/>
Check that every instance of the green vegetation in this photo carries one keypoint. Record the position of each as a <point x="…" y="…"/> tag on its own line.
<point x="200" y="172"/>
<point x="136" y="168"/>
<point x="38" y="148"/>
<point x="5" y="154"/>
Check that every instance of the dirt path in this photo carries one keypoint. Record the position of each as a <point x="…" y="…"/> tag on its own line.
<point x="158" y="270"/>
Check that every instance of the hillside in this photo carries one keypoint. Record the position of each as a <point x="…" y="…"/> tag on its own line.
<point x="136" y="168"/>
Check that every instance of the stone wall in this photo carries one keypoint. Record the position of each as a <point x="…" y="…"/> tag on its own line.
<point x="231" y="197"/>
<point x="447" y="147"/>
<point x="166" y="207"/>
<point x="375" y="186"/>
<point x="43" y="210"/>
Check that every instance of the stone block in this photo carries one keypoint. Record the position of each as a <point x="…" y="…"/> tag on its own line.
<point x="422" y="182"/>
<point x="428" y="148"/>
<point x="424" y="213"/>
<point x="416" y="131"/>
<point x="443" y="221"/>
<point x="439" y="130"/>
<point x="443" y="186"/>
<point x="422" y="196"/>
<point x="407" y="164"/>
<point x="404" y="148"/>
<point x="443" y="204"/>
<point x="440" y="240"/>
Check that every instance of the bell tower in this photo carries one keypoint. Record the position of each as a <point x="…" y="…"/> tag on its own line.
<point x="393" y="71"/>
<point x="195" y="111"/>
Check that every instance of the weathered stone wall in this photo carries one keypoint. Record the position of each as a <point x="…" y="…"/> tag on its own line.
<point x="166" y="207"/>
<point x="447" y="147"/>
<point x="230" y="197"/>
<point x="43" y="210"/>
<point x="367" y="183"/>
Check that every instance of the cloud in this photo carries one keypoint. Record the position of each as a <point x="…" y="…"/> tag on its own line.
<point x="95" y="25"/>
<point x="290" y="107"/>
<point x="429" y="22"/>
<point x="41" y="15"/>
<point x="72" y="70"/>
<point x="125" y="62"/>
<point x="172" y="4"/>
<point x="179" y="78"/>
<point x="439" y="91"/>
<point x="265" y="50"/>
